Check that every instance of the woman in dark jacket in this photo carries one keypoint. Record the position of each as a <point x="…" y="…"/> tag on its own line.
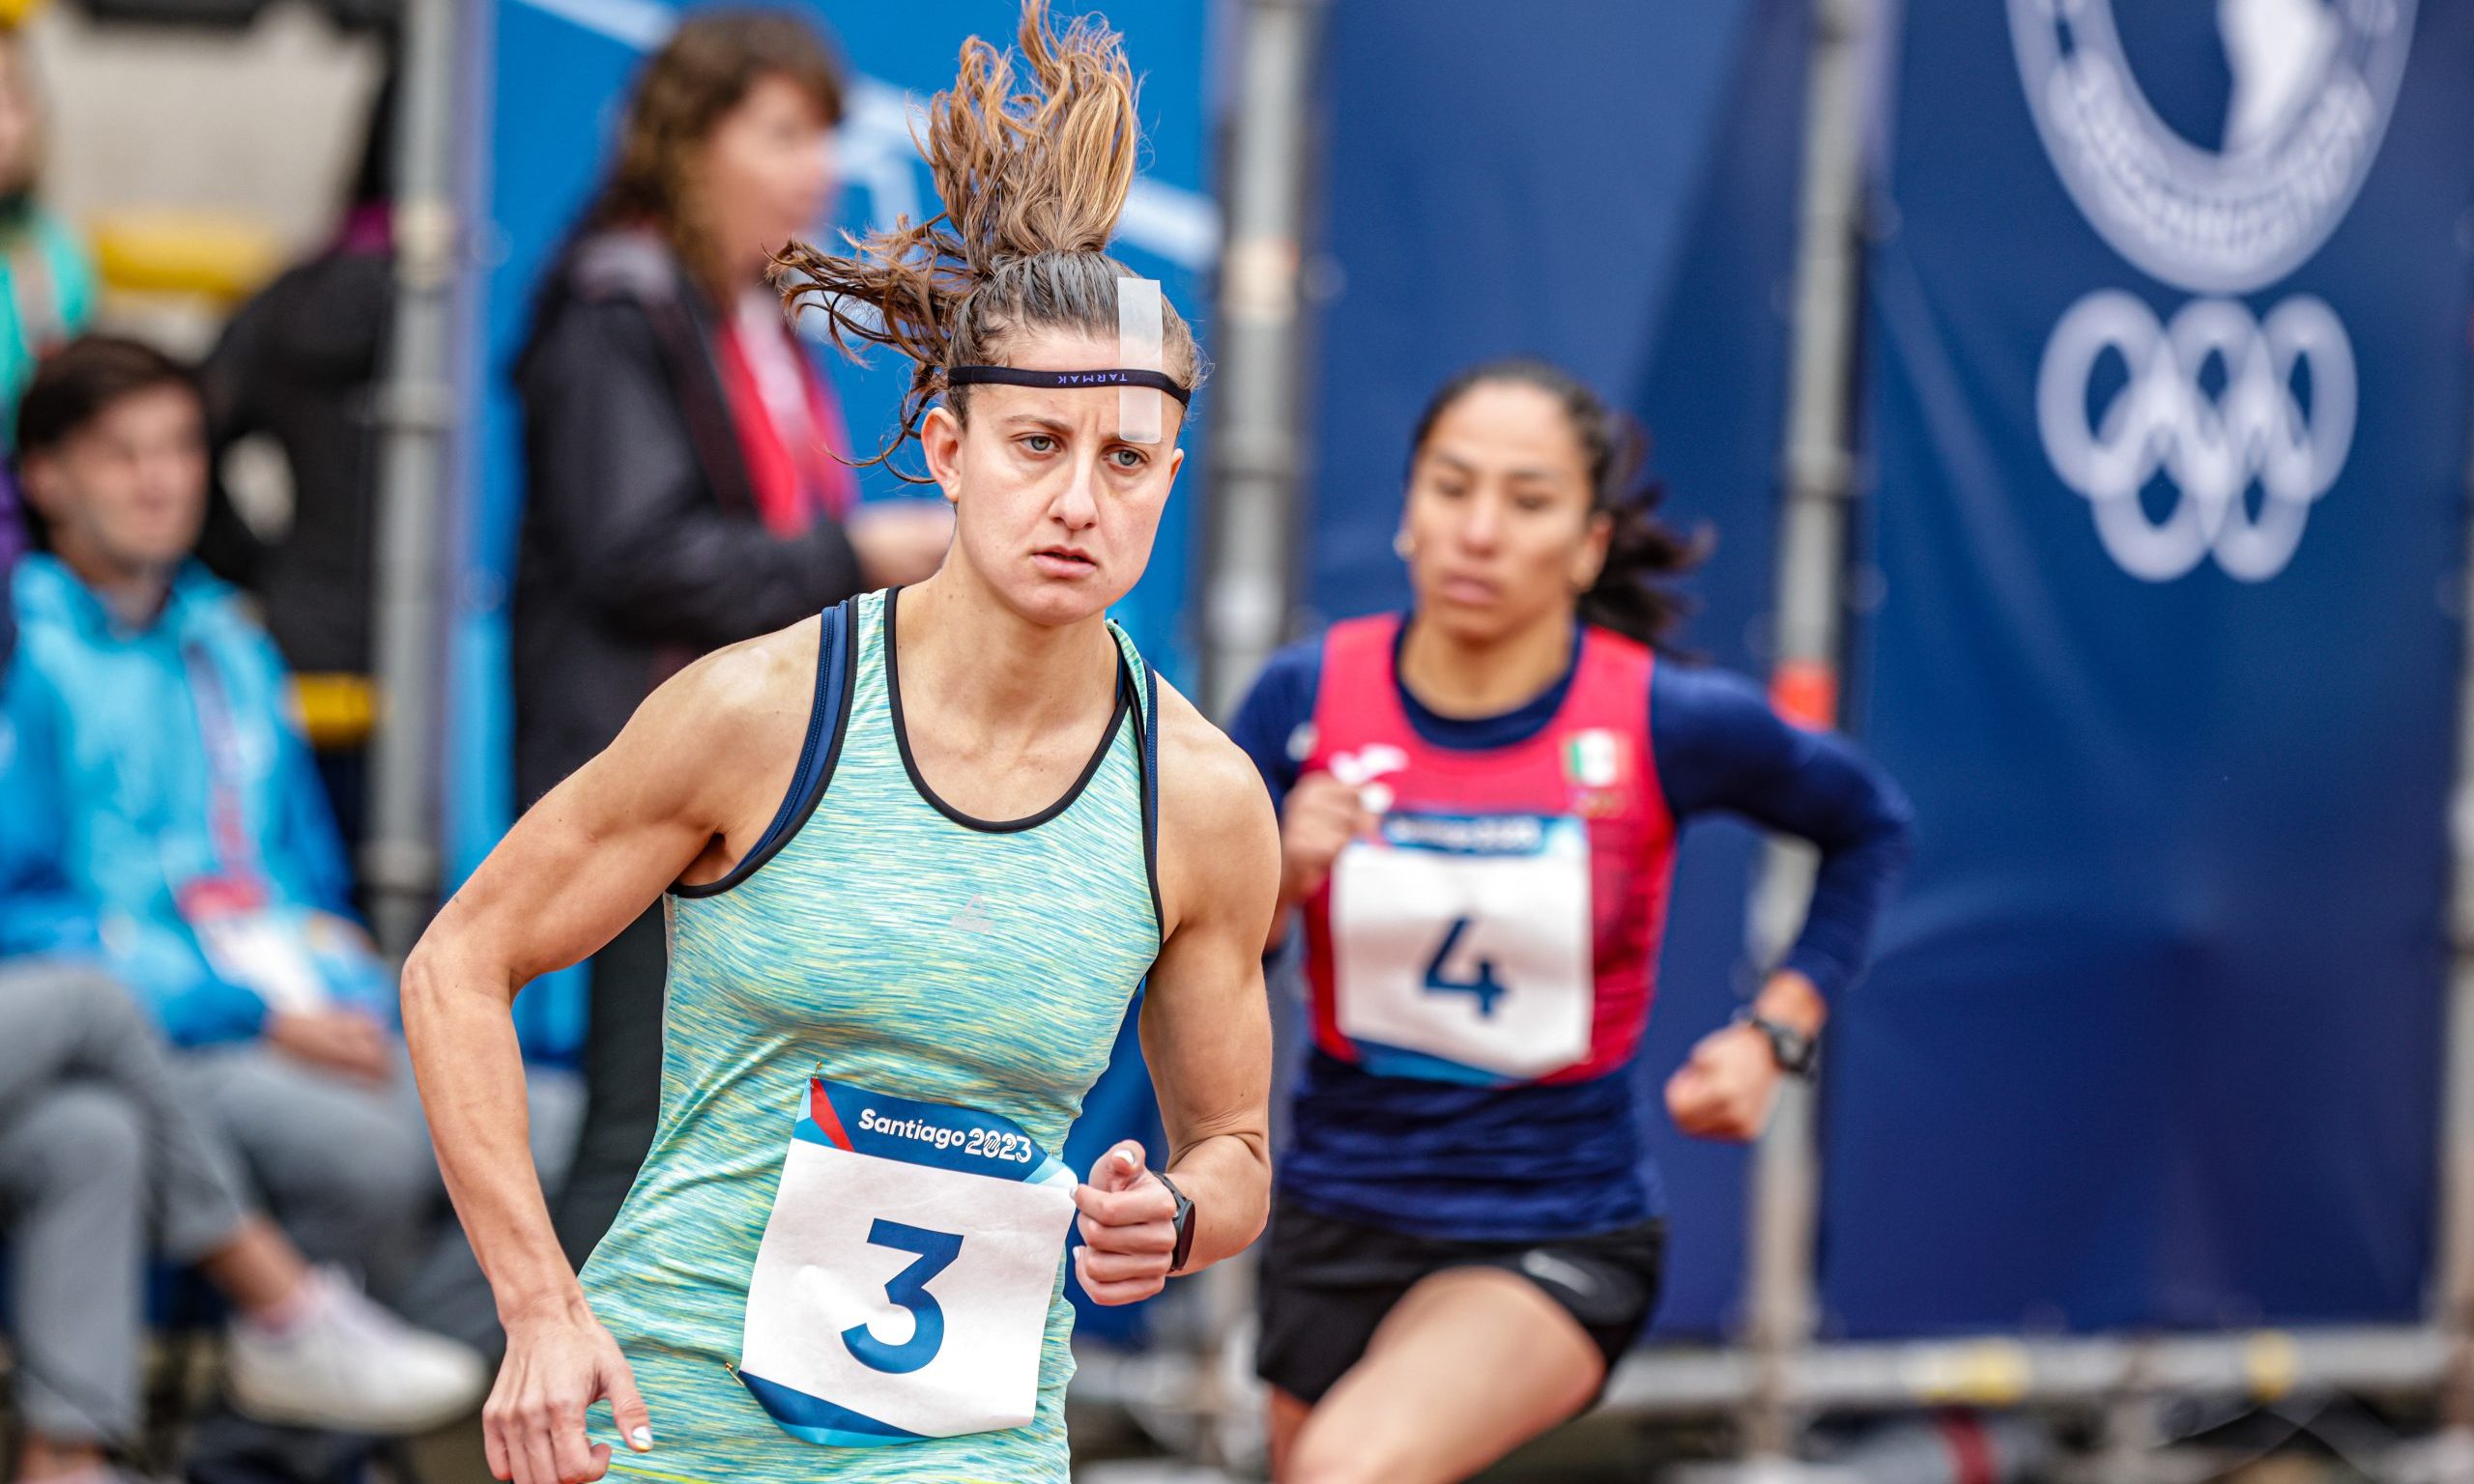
<point x="684" y="485"/>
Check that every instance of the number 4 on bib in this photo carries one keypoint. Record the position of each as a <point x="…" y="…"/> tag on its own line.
<point x="1483" y="987"/>
<point x="1462" y="946"/>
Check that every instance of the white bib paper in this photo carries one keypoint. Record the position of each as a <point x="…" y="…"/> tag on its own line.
<point x="251" y="945"/>
<point x="1462" y="946"/>
<point x="901" y="1288"/>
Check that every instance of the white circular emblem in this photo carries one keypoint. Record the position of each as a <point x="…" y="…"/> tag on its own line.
<point x="2313" y="84"/>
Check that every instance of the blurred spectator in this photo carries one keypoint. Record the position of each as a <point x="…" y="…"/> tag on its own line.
<point x="158" y="809"/>
<point x="142" y="823"/>
<point x="684" y="485"/>
<point x="47" y="283"/>
<point x="299" y="364"/>
<point x="98" y="1154"/>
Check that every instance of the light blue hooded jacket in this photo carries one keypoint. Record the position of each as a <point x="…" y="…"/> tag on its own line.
<point x="105" y="790"/>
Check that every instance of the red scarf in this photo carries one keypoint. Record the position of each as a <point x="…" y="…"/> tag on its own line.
<point x="793" y="472"/>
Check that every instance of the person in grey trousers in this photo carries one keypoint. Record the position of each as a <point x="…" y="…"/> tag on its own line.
<point x="101" y="1160"/>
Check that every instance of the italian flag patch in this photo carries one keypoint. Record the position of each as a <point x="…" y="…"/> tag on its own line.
<point x="1593" y="758"/>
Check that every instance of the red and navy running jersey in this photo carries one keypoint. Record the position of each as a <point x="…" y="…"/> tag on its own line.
<point x="1497" y="930"/>
<point x="1480" y="970"/>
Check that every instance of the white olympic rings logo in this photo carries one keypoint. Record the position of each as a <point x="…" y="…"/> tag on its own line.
<point x="2211" y="447"/>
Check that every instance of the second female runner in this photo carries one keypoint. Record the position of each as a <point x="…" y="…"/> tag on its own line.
<point x="1480" y="804"/>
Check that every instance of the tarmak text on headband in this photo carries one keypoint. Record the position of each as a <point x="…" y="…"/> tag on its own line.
<point x="1066" y="381"/>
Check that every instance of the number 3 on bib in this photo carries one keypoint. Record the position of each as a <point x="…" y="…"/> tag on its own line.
<point x="936" y="1251"/>
<point x="863" y="1328"/>
<point x="1462" y="946"/>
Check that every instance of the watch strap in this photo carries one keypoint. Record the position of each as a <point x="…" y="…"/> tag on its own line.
<point x="1185" y="1224"/>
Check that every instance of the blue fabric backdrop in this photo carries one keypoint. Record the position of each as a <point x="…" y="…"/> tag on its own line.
<point x="2155" y="1037"/>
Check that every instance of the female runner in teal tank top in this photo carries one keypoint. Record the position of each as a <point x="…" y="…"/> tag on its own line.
<point x="917" y="855"/>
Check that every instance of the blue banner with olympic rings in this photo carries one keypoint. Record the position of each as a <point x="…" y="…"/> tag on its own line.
<point x="2168" y="394"/>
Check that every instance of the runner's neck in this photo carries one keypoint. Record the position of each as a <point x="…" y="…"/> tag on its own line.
<point x="976" y="665"/>
<point x="1457" y="679"/>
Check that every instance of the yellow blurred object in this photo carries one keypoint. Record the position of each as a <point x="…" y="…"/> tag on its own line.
<point x="17" y="13"/>
<point x="173" y="251"/>
<point x="2273" y="1362"/>
<point x="1982" y="1373"/>
<point x="336" y="710"/>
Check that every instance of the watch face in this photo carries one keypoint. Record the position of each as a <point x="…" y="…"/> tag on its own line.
<point x="1793" y="1051"/>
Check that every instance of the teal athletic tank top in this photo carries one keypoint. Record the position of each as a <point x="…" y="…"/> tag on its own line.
<point x="894" y="978"/>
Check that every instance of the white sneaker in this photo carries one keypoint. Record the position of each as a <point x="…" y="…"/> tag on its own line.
<point x="353" y="1367"/>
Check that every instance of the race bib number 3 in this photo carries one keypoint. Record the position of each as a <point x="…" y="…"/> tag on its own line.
<point x="901" y="1288"/>
<point x="1462" y="946"/>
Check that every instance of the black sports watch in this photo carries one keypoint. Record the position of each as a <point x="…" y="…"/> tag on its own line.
<point x="1184" y="1221"/>
<point x="1795" y="1051"/>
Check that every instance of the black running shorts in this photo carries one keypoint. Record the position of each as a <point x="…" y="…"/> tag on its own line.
<point x="1327" y="1284"/>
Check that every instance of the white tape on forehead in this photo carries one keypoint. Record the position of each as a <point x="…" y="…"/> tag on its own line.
<point x="1141" y="346"/>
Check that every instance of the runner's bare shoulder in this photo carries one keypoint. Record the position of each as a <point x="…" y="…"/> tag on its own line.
<point x="1219" y="838"/>
<point x="732" y="721"/>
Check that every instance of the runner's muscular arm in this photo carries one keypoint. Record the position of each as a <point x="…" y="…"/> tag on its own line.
<point x="579" y="866"/>
<point x="1206" y="1025"/>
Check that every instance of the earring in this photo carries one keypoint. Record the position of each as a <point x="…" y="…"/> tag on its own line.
<point x="1400" y="546"/>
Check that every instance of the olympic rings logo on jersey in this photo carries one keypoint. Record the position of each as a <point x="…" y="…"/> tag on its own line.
<point x="2210" y="448"/>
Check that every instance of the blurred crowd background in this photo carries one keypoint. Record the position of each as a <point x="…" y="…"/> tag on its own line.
<point x="2075" y="390"/>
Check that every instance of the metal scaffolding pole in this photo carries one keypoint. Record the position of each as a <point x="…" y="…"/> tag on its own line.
<point x="1254" y="435"/>
<point x="1812" y="556"/>
<point x="400" y="861"/>
<point x="1251" y="511"/>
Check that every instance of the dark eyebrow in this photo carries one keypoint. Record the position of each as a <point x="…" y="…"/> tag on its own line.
<point x="1055" y="425"/>
<point x="1517" y="476"/>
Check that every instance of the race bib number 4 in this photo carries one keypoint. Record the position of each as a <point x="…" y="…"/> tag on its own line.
<point x="902" y="1288"/>
<point x="1460" y="947"/>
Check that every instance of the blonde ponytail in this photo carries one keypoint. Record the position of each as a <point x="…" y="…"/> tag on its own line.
<point x="1032" y="182"/>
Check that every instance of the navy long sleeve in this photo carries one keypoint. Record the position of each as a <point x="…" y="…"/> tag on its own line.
<point x="1722" y="748"/>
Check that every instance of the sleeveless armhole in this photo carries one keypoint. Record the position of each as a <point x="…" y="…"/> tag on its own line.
<point x="828" y="718"/>
<point x="1146" y="764"/>
<point x="1150" y="778"/>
